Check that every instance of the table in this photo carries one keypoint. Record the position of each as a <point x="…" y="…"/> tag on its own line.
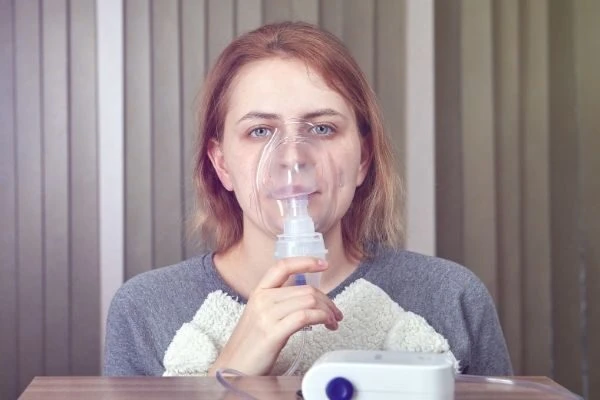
<point x="150" y="388"/>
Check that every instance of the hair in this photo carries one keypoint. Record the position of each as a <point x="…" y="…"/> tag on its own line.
<point x="374" y="216"/>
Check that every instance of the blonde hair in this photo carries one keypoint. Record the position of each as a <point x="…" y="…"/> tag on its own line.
<point x="374" y="217"/>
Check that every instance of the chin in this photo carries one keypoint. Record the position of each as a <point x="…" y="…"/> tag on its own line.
<point x="327" y="227"/>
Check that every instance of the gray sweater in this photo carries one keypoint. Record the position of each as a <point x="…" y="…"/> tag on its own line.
<point x="175" y="320"/>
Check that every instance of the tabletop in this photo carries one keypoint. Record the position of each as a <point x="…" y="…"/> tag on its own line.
<point x="150" y="388"/>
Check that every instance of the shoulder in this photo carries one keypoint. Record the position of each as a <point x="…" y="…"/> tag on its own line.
<point x="402" y="267"/>
<point x="172" y="275"/>
<point x="433" y="287"/>
<point x="452" y="299"/>
<point x="149" y="309"/>
<point x="164" y="284"/>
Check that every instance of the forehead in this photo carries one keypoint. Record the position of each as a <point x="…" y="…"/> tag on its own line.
<point x="287" y="87"/>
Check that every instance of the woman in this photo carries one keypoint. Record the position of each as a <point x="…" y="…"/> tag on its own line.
<point x="231" y="307"/>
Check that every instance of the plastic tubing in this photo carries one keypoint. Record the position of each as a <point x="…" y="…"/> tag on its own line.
<point x="567" y="395"/>
<point x="245" y="395"/>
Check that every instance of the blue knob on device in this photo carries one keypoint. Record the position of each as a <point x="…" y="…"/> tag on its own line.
<point x="339" y="389"/>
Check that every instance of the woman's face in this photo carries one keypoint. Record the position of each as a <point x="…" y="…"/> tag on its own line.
<point x="266" y="97"/>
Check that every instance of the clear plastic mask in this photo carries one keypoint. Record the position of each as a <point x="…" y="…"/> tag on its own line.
<point x="294" y="167"/>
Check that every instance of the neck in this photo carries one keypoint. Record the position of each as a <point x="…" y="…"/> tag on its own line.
<point x="340" y="263"/>
<point x="244" y="264"/>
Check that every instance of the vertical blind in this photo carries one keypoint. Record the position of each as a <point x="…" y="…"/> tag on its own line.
<point x="516" y="198"/>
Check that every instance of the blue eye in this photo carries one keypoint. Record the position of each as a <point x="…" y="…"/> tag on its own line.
<point x="260" y="132"/>
<point x="322" y="130"/>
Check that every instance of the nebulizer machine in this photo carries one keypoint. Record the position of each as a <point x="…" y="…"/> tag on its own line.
<point x="295" y="176"/>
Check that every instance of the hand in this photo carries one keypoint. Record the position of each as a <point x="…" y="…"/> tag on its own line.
<point x="273" y="314"/>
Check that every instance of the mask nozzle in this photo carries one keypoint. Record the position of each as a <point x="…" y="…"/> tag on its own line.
<point x="299" y="237"/>
<point x="296" y="220"/>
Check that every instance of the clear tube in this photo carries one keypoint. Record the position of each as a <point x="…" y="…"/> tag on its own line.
<point x="567" y="395"/>
<point x="296" y="362"/>
<point x="245" y="395"/>
<point x="230" y="386"/>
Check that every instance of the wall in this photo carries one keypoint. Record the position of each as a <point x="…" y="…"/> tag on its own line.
<point x="49" y="254"/>
<point x="516" y="158"/>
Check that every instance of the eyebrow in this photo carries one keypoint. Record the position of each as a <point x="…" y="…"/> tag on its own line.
<point x="310" y="115"/>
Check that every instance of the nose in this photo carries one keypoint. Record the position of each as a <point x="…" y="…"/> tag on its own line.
<point x="292" y="168"/>
<point x="293" y="157"/>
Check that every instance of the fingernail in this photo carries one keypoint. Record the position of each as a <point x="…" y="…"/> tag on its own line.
<point x="321" y="263"/>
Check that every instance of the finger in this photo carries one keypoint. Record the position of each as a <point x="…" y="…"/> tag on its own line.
<point x="284" y="308"/>
<point x="303" y="293"/>
<point x="299" y="319"/>
<point x="278" y="274"/>
<point x="286" y="292"/>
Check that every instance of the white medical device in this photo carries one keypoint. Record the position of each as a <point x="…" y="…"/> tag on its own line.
<point x="379" y="375"/>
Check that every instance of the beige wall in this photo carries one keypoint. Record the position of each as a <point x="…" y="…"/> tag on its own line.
<point x="49" y="218"/>
<point x="513" y="155"/>
<point x="517" y="162"/>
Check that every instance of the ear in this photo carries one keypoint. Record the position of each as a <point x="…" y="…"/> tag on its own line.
<point x="217" y="158"/>
<point x="366" y="157"/>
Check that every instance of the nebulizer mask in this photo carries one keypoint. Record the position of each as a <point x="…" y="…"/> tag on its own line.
<point x="296" y="188"/>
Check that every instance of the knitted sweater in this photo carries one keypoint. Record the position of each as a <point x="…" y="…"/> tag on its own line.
<point x="175" y="320"/>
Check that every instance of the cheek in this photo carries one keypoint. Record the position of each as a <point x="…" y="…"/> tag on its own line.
<point x="242" y="170"/>
<point x="238" y="173"/>
<point x="346" y="179"/>
<point x="349" y="171"/>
